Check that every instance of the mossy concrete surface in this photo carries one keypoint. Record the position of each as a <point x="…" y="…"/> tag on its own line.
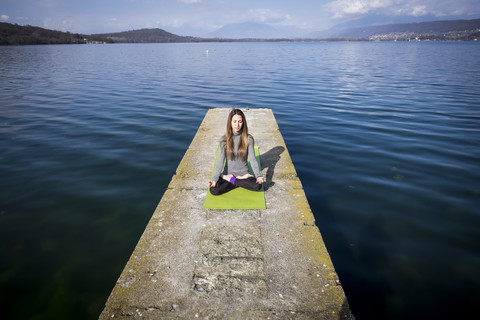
<point x="195" y="263"/>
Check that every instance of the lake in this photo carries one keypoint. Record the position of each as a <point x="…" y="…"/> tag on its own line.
<point x="385" y="137"/>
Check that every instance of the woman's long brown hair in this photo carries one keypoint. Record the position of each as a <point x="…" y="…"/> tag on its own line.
<point x="242" y="146"/>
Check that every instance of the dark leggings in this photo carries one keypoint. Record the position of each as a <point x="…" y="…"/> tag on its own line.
<point x="223" y="186"/>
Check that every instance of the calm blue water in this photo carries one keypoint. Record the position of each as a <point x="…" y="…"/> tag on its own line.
<point x="385" y="138"/>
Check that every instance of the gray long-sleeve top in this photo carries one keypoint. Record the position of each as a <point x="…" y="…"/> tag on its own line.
<point x="237" y="167"/>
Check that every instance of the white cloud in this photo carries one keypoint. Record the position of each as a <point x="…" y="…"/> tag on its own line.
<point x="62" y="25"/>
<point x="419" y="11"/>
<point x="4" y="17"/>
<point x="270" y="16"/>
<point x="343" y="8"/>
<point x="46" y="3"/>
<point x="50" y="24"/>
<point x="67" y="25"/>
<point x="190" y="1"/>
<point x="175" y="23"/>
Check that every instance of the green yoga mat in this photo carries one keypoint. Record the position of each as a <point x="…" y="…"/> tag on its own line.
<point x="238" y="198"/>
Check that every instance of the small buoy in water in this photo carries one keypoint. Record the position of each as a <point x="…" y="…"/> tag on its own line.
<point x="207" y="51"/>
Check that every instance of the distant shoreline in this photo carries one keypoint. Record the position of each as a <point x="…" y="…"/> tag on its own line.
<point x="13" y="34"/>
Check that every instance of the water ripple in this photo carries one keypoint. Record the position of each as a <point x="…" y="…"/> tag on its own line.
<point x="384" y="137"/>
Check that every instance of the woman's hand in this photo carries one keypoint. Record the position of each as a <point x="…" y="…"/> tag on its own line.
<point x="212" y="184"/>
<point x="260" y="180"/>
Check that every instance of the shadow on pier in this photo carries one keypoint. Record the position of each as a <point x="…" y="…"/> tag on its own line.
<point x="269" y="161"/>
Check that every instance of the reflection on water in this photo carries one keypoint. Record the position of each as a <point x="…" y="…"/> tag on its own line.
<point x="384" y="137"/>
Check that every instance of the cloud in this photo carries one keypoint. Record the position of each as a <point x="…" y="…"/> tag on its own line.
<point x="174" y="23"/>
<point x="46" y="3"/>
<point x="4" y="17"/>
<point x="51" y="24"/>
<point x="270" y="16"/>
<point x="67" y="24"/>
<point x="419" y="11"/>
<point x="344" y="8"/>
<point x="190" y="1"/>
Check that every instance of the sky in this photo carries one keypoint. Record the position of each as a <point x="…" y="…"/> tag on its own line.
<point x="199" y="17"/>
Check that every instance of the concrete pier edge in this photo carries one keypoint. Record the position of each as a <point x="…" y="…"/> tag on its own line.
<point x="195" y="263"/>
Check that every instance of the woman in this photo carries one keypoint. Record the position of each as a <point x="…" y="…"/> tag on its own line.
<point x="236" y="146"/>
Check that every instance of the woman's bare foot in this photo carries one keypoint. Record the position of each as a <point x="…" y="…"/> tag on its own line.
<point x="245" y="176"/>
<point x="227" y="176"/>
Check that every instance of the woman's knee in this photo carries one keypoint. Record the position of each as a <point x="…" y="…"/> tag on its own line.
<point x="257" y="187"/>
<point x="214" y="191"/>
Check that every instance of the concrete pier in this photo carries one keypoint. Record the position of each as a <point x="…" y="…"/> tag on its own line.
<point x="195" y="263"/>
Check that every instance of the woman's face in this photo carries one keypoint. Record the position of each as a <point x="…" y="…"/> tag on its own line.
<point x="237" y="123"/>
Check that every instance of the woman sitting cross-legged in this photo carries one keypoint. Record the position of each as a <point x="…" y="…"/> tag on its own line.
<point x="236" y="146"/>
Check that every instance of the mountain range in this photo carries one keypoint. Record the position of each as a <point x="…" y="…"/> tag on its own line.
<point x="432" y="28"/>
<point x="358" y="29"/>
<point x="256" y="30"/>
<point x="465" y="30"/>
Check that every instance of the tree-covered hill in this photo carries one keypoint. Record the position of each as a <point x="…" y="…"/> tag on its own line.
<point x="14" y="34"/>
<point x="147" y="36"/>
